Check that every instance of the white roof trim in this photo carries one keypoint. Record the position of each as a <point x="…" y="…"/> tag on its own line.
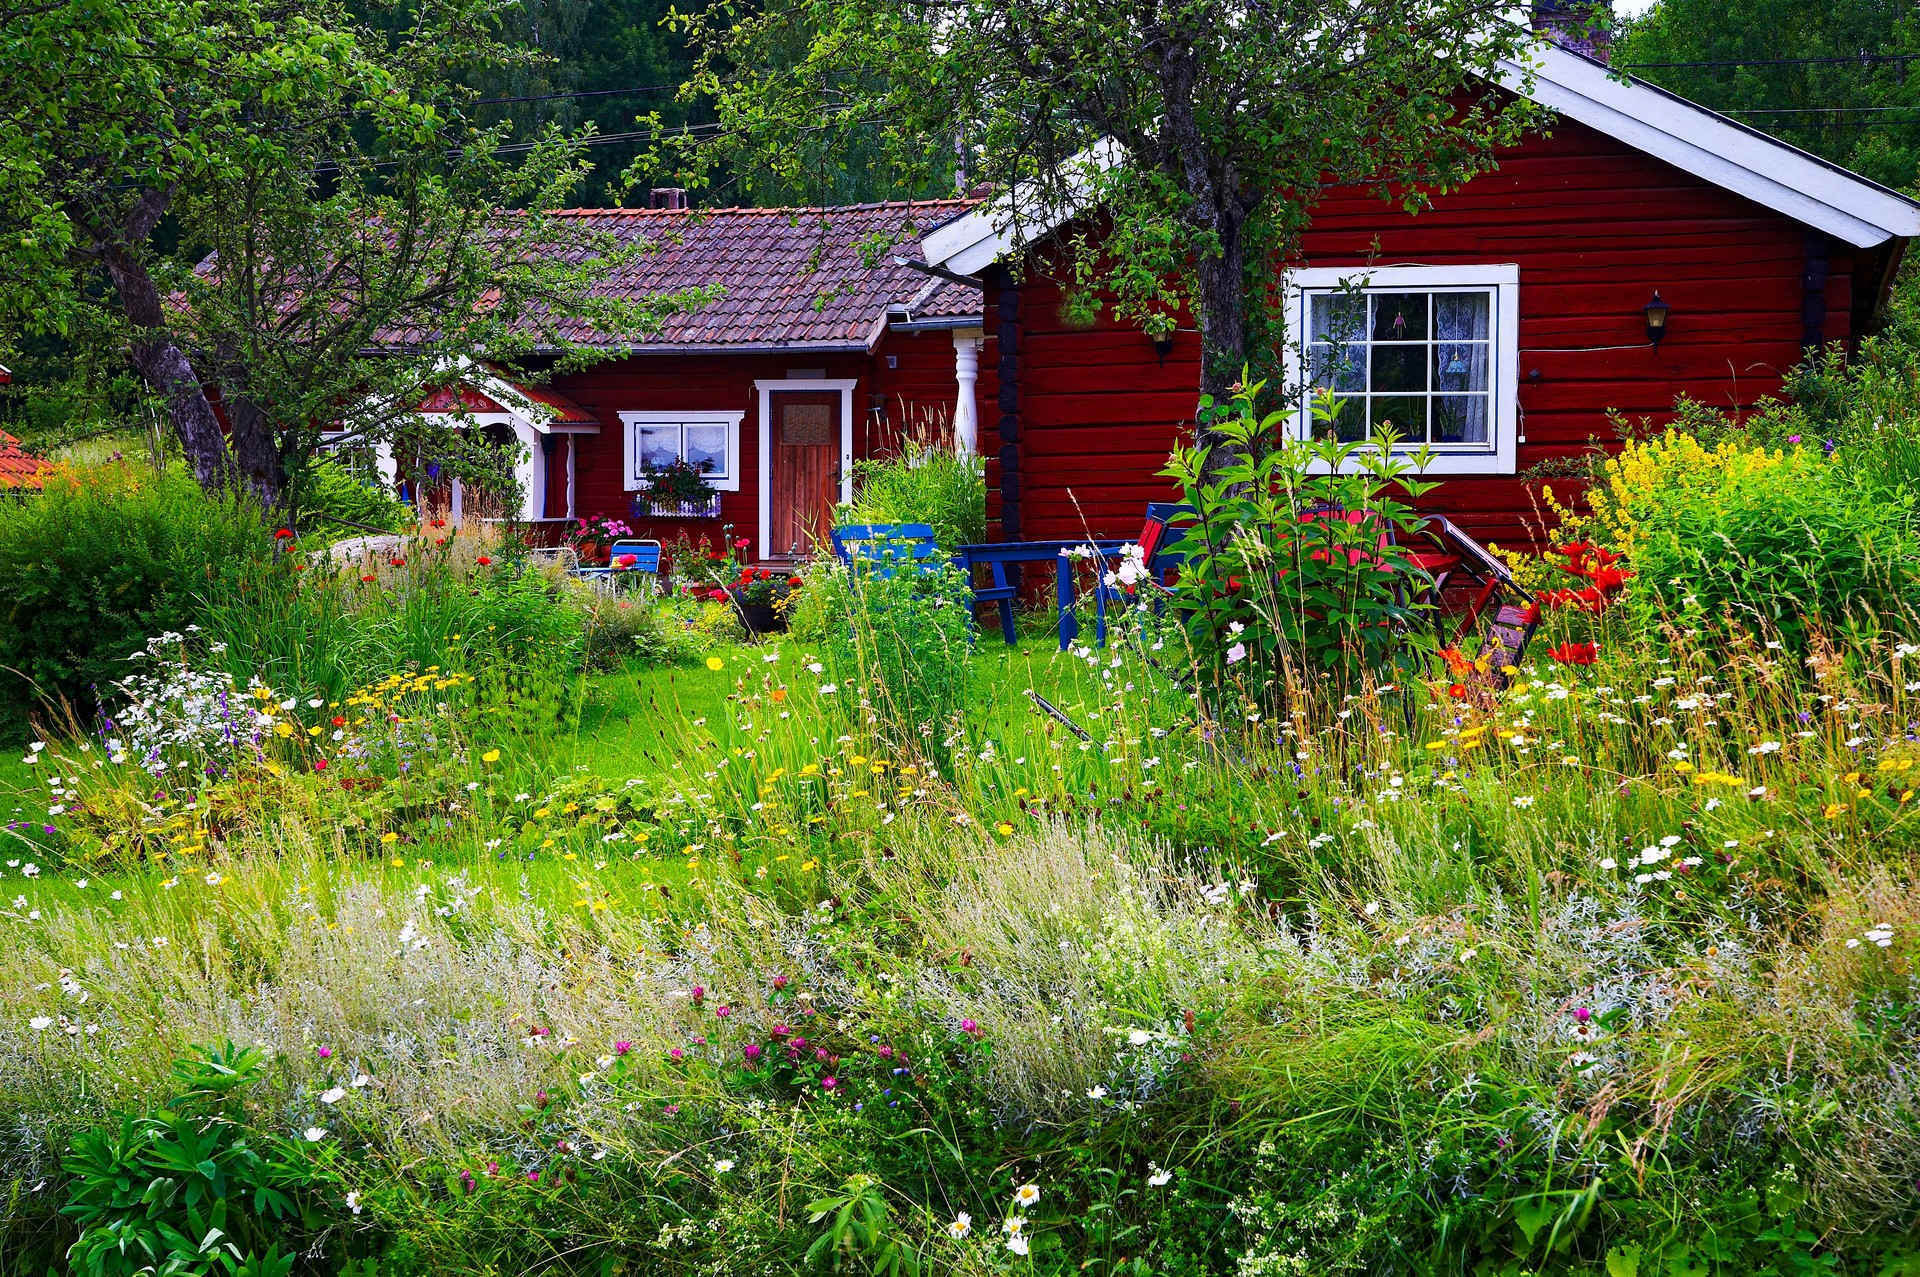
<point x="1715" y="149"/>
<point x="968" y="245"/>
<point x="1690" y="137"/>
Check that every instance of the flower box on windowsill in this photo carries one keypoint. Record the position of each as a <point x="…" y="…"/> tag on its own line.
<point x="707" y="509"/>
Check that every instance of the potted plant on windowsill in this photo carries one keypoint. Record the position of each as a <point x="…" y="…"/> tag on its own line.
<point x="678" y="490"/>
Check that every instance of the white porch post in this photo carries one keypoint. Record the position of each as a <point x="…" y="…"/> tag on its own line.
<point x="529" y="470"/>
<point x="573" y="451"/>
<point x="458" y="506"/>
<point x="966" y="371"/>
<point x="385" y="465"/>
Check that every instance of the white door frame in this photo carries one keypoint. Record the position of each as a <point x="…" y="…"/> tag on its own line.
<point x="845" y="386"/>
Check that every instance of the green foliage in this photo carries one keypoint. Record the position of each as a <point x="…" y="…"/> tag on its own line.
<point x="896" y="643"/>
<point x="188" y="1189"/>
<point x="99" y="562"/>
<point x="1745" y="538"/>
<point x="1291" y="570"/>
<point x="313" y="626"/>
<point x="930" y="485"/>
<point x="860" y="1231"/>
<point x="335" y="498"/>
<point x="1798" y="69"/>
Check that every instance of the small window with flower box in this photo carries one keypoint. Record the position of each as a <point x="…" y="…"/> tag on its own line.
<point x="663" y="443"/>
<point x="1428" y="352"/>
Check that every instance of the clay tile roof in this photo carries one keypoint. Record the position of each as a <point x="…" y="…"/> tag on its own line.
<point x="17" y="469"/>
<point x="794" y="277"/>
<point x="565" y="411"/>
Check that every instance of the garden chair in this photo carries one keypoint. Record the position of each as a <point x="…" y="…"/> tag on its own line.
<point x="627" y="561"/>
<point x="886" y="547"/>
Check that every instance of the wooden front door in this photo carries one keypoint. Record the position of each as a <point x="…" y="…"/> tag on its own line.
<point x="804" y="470"/>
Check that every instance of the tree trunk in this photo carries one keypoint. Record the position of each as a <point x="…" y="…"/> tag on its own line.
<point x="256" y="453"/>
<point x="1221" y="311"/>
<point x="157" y="357"/>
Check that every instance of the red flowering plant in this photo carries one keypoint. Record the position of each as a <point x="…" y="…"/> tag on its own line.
<point x="590" y="536"/>
<point x="1599" y="568"/>
<point x="723" y="571"/>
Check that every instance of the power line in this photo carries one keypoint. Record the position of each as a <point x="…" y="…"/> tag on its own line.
<point x="587" y="93"/>
<point x="1780" y="62"/>
<point x="1812" y="110"/>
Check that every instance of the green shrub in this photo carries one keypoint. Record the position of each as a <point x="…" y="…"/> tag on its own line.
<point x="1273" y="589"/>
<point x="896" y="644"/>
<point x="100" y="561"/>
<point x="930" y="485"/>
<point x="334" y="499"/>
<point x="1776" y="540"/>
<point x="189" y="1189"/>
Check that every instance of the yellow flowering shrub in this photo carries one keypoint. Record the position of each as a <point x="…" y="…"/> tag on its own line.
<point x="1774" y="538"/>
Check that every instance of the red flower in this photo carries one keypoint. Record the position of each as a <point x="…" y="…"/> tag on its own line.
<point x="284" y="534"/>
<point x="367" y="580"/>
<point x="438" y="523"/>
<point x="795" y="582"/>
<point x="1607" y="580"/>
<point x="396" y="563"/>
<point x="742" y="543"/>
<point x="320" y="765"/>
<point x="1458" y="691"/>
<point x="1575" y="653"/>
<point x="483" y="560"/>
<point x="718" y="596"/>
<point x="339" y="722"/>
<point x="299" y="567"/>
<point x="766" y="574"/>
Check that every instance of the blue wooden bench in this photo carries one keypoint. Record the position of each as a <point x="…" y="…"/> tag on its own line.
<point x="884" y="548"/>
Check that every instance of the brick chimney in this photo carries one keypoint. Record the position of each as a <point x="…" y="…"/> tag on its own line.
<point x="1579" y="26"/>
<point x="667" y="197"/>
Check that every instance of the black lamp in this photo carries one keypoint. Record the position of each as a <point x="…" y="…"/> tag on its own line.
<point x="1656" y="319"/>
<point x="1163" y="344"/>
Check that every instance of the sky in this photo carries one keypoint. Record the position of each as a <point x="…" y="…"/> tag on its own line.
<point x="1631" y="8"/>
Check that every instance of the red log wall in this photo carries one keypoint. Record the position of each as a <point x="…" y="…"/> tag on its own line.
<point x="1595" y="227"/>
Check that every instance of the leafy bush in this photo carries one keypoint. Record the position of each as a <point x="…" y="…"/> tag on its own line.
<point x="1774" y="540"/>
<point x="98" y="562"/>
<point x="1290" y="571"/>
<point x="896" y="643"/>
<point x="188" y="1189"/>
<point x="334" y="498"/>
<point x="666" y="630"/>
<point x="926" y="484"/>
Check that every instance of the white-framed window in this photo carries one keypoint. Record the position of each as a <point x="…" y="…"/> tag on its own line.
<point x="710" y="440"/>
<point x="1431" y="349"/>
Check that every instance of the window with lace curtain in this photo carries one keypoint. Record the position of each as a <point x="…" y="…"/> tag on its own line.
<point x="1427" y="351"/>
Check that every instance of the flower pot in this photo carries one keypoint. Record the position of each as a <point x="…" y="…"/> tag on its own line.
<point x="762" y="618"/>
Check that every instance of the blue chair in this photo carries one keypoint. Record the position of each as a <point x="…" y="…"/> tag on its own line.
<point x="627" y="560"/>
<point x="884" y="548"/>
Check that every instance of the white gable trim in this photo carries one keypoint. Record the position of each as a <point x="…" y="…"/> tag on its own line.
<point x="1715" y="149"/>
<point x="1691" y="138"/>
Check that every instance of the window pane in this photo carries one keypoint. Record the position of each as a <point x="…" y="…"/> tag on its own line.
<point x="658" y="446"/>
<point x="1337" y="317"/>
<point x="1337" y="367"/>
<point x="1400" y="317"/>
<point x="1406" y="413"/>
<point x="1462" y="316"/>
<point x="1460" y="365"/>
<point x="1460" y="419"/>
<point x="1399" y="368"/>
<point x="1342" y="418"/>
<point x="707" y="447"/>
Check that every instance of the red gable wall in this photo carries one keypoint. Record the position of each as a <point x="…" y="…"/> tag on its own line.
<point x="1595" y="227"/>
<point x="886" y="398"/>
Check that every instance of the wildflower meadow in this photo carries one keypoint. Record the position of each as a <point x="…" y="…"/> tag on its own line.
<point x="434" y="911"/>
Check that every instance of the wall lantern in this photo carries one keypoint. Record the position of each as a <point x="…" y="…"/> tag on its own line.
<point x="1163" y="346"/>
<point x="1656" y="319"/>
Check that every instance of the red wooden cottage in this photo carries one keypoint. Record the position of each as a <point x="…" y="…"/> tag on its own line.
<point x="822" y="350"/>
<point x="18" y="470"/>
<point x="1501" y="325"/>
